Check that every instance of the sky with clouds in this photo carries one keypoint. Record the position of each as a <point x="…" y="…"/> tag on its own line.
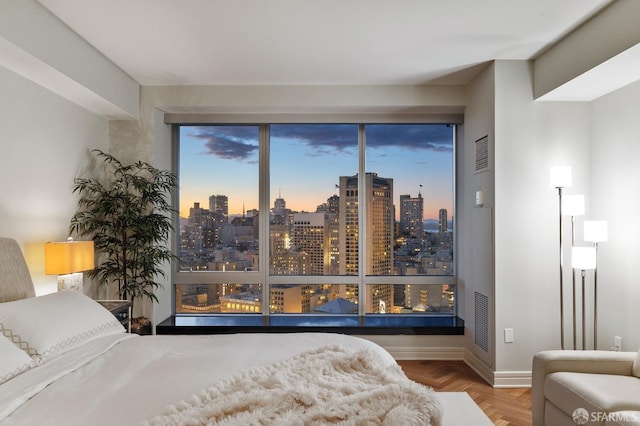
<point x="308" y="160"/>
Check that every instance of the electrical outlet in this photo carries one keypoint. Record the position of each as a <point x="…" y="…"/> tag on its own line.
<point x="617" y="343"/>
<point x="508" y="335"/>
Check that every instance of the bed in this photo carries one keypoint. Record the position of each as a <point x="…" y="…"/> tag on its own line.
<point x="66" y="360"/>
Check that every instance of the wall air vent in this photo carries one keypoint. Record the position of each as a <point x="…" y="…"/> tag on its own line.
<point x="482" y="321"/>
<point x="482" y="154"/>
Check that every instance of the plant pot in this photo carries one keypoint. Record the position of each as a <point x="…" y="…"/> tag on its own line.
<point x="141" y="326"/>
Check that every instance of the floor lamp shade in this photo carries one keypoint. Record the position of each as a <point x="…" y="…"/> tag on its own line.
<point x="573" y="205"/>
<point x="595" y="230"/>
<point x="560" y="177"/>
<point x="68" y="257"/>
<point x="583" y="258"/>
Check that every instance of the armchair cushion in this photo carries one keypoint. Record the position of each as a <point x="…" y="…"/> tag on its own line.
<point x="592" y="392"/>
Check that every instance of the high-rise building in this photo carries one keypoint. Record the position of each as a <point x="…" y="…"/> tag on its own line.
<point x="411" y="216"/>
<point x="279" y="210"/>
<point x="331" y="209"/>
<point x="219" y="208"/>
<point x="443" y="221"/>
<point x="309" y="235"/>
<point x="379" y="236"/>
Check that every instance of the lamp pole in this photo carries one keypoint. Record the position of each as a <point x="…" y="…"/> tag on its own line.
<point x="583" y="273"/>
<point x="560" y="177"/>
<point x="595" y="231"/>
<point x="561" y="273"/>
<point x="573" y="281"/>
<point x="573" y="206"/>
<point x="583" y="258"/>
<point x="595" y="301"/>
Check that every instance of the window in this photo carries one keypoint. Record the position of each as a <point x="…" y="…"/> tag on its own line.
<point x="218" y="198"/>
<point x="307" y="165"/>
<point x="274" y="219"/>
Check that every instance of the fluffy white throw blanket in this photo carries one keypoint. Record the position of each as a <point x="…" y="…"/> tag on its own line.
<point x="328" y="385"/>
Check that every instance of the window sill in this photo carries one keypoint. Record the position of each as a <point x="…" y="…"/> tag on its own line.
<point x="353" y="325"/>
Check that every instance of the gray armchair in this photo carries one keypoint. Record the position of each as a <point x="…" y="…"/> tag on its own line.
<point x="585" y="387"/>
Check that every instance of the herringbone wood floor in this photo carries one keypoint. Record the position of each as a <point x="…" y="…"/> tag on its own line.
<point x="502" y="406"/>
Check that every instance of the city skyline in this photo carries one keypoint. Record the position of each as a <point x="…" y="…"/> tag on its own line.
<point x="326" y="242"/>
<point x="308" y="160"/>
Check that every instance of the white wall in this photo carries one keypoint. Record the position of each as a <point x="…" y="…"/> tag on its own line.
<point x="531" y="137"/>
<point x="54" y="109"/>
<point x="601" y="141"/>
<point x="526" y="139"/>
<point x="615" y="197"/>
<point x="45" y="142"/>
<point x="474" y="223"/>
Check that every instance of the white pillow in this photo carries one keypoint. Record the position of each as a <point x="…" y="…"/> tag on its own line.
<point x="14" y="361"/>
<point x="54" y="323"/>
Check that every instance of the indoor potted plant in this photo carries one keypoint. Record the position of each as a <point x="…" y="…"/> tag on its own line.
<point x="127" y="214"/>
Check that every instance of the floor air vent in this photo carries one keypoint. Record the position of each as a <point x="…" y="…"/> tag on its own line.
<point x="482" y="321"/>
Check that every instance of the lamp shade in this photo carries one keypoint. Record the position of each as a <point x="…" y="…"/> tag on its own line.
<point x="68" y="257"/>
<point x="573" y="205"/>
<point x="560" y="177"/>
<point x="583" y="258"/>
<point x="595" y="230"/>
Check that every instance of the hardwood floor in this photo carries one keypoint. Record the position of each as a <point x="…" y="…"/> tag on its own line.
<point x="502" y="406"/>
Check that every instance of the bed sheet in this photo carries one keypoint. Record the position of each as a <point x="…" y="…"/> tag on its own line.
<point x="126" y="379"/>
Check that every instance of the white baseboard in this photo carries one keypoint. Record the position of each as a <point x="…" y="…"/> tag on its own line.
<point x="497" y="379"/>
<point x="478" y="366"/>
<point x="512" y="379"/>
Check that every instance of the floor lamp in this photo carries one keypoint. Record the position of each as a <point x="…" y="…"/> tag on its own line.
<point x="559" y="178"/>
<point x="595" y="231"/>
<point x="584" y="259"/>
<point x="573" y="205"/>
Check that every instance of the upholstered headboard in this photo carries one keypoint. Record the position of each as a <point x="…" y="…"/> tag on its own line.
<point x="15" y="279"/>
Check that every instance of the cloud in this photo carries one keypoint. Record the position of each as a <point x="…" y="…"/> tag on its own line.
<point x="228" y="142"/>
<point x="341" y="137"/>
<point x="320" y="137"/>
<point x="241" y="142"/>
<point x="437" y="138"/>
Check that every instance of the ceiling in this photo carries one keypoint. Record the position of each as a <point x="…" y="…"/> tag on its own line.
<point x="311" y="42"/>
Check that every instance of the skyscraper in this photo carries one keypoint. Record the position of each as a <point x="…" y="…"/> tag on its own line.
<point x="219" y="208"/>
<point x="379" y="235"/>
<point x="331" y="209"/>
<point x="279" y="210"/>
<point x="309" y="235"/>
<point x="443" y="221"/>
<point x="411" y="216"/>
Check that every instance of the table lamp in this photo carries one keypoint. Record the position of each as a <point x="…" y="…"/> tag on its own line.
<point x="68" y="260"/>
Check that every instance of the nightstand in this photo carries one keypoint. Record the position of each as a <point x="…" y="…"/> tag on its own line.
<point x="121" y="309"/>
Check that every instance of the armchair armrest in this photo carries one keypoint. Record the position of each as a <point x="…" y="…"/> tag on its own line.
<point x="595" y="362"/>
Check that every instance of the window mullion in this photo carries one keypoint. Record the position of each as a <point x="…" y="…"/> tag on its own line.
<point x="362" y="214"/>
<point x="263" y="244"/>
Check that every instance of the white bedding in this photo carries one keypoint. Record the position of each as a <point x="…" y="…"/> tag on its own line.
<point x="124" y="379"/>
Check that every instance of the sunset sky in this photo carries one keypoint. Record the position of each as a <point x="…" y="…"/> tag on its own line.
<point x="308" y="160"/>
